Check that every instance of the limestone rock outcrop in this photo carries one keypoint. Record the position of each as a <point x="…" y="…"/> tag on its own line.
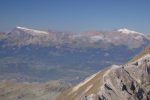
<point x="130" y="81"/>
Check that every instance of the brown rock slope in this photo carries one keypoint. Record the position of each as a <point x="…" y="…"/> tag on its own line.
<point x="118" y="82"/>
<point x="144" y="52"/>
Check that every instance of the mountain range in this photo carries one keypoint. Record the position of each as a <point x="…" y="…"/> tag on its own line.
<point x="21" y="36"/>
<point x="39" y="56"/>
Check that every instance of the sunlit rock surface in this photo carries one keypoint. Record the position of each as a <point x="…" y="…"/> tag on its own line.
<point x="118" y="82"/>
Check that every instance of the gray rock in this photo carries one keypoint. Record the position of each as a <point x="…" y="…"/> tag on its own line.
<point x="126" y="82"/>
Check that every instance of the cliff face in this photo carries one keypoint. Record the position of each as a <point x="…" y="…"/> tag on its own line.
<point x="126" y="82"/>
<point x="118" y="82"/>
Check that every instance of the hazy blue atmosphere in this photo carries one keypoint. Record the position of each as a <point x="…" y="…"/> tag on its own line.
<point x="75" y="15"/>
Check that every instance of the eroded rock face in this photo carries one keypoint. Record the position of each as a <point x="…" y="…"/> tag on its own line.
<point x="126" y="82"/>
<point x="119" y="82"/>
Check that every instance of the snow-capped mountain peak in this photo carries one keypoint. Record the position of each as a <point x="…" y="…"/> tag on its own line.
<point x="127" y="31"/>
<point x="31" y="30"/>
<point x="98" y="39"/>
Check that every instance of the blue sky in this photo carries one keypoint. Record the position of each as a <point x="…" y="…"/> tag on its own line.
<point x="75" y="15"/>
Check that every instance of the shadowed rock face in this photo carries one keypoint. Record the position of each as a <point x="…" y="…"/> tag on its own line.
<point x="119" y="82"/>
<point x="127" y="82"/>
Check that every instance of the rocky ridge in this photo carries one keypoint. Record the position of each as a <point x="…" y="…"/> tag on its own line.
<point x="21" y="36"/>
<point x="130" y="81"/>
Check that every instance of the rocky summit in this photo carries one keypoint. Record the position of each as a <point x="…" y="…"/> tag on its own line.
<point x="130" y="81"/>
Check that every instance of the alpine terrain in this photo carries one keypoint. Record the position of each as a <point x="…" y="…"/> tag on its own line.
<point x="130" y="81"/>
<point x="40" y="65"/>
<point x="39" y="56"/>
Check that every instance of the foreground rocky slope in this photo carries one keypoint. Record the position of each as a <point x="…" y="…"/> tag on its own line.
<point x="118" y="82"/>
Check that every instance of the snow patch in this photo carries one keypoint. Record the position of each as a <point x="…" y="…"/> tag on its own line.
<point x="127" y="31"/>
<point x="96" y="38"/>
<point x="32" y="30"/>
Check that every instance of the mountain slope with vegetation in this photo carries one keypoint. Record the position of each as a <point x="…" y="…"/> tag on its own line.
<point x="11" y="90"/>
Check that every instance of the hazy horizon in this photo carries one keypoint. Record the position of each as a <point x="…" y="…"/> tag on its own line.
<point x="75" y="16"/>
